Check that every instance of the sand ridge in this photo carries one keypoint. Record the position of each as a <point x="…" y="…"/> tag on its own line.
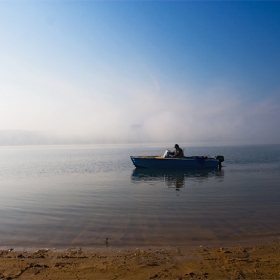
<point x="241" y="262"/>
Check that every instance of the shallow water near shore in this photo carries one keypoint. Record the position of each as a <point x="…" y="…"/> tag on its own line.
<point x="93" y="197"/>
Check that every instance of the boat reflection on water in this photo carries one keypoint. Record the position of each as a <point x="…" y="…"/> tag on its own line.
<point x="174" y="178"/>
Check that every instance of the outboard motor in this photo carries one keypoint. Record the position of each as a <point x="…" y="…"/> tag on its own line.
<point x="220" y="159"/>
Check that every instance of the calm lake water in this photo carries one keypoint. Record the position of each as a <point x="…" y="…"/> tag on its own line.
<point x="66" y="196"/>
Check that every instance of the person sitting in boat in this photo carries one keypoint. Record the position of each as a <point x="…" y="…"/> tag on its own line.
<point x="178" y="152"/>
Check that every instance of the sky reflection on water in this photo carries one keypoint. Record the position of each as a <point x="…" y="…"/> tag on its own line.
<point x="77" y="196"/>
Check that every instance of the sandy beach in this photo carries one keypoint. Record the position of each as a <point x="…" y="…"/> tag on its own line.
<point x="241" y="262"/>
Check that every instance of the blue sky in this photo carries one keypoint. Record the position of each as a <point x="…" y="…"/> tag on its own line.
<point x="141" y="71"/>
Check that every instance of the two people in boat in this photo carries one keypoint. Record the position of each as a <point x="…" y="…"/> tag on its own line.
<point x="177" y="153"/>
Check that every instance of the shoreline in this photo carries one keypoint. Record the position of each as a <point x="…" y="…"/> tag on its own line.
<point x="111" y="244"/>
<point x="260" y="261"/>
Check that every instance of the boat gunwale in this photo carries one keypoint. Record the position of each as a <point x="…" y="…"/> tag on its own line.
<point x="183" y="158"/>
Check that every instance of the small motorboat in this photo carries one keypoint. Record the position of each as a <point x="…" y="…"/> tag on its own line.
<point x="177" y="163"/>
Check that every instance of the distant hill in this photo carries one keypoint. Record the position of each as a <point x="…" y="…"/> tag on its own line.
<point x="26" y="137"/>
<point x="22" y="137"/>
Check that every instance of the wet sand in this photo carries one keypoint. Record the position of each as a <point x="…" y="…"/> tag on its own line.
<point x="239" y="262"/>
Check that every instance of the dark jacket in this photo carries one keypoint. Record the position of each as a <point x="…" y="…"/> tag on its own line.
<point x="178" y="153"/>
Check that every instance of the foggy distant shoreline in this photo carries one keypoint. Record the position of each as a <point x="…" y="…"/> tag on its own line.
<point x="30" y="138"/>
